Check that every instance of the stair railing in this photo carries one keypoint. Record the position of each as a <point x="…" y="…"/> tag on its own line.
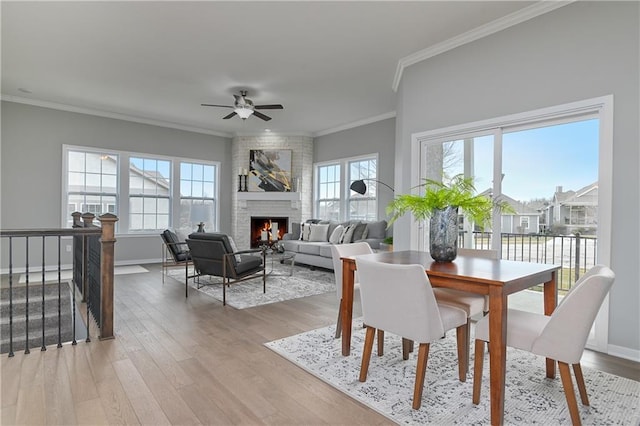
<point x="102" y="314"/>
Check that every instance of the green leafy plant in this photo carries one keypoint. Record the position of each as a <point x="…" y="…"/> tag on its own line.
<point x="388" y="240"/>
<point x="458" y="192"/>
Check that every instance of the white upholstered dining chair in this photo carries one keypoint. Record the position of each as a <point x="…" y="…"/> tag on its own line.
<point x="472" y="304"/>
<point x="399" y="299"/>
<point x="343" y="250"/>
<point x="561" y="336"/>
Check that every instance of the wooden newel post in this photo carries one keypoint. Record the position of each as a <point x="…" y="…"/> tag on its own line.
<point x="107" y="240"/>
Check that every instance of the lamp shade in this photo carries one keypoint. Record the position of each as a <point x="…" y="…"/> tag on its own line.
<point x="243" y="112"/>
<point x="359" y="186"/>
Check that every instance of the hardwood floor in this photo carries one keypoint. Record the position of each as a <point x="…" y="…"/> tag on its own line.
<point x="189" y="361"/>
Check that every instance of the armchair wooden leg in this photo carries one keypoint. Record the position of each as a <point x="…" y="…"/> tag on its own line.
<point x="577" y="370"/>
<point x="477" y="370"/>
<point x="407" y="348"/>
<point x="569" y="393"/>
<point x="462" y="336"/>
<point x="421" y="371"/>
<point x="366" y="353"/>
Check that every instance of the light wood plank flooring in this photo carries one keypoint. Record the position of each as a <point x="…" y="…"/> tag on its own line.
<point x="189" y="361"/>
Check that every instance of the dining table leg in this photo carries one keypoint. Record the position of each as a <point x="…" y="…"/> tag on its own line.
<point x="497" y="351"/>
<point x="348" y="272"/>
<point x="550" y="303"/>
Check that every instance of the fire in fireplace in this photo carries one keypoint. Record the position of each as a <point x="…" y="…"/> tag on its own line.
<point x="267" y="230"/>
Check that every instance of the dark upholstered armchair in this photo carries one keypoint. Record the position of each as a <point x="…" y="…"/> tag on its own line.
<point x="215" y="254"/>
<point x="174" y="251"/>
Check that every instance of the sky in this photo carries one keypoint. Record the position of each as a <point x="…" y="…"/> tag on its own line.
<point x="536" y="161"/>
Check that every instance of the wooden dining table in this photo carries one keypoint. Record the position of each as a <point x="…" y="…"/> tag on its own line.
<point x="494" y="277"/>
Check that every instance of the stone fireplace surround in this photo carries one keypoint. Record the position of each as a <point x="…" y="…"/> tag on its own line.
<point x="295" y="206"/>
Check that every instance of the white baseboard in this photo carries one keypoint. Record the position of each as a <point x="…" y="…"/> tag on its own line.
<point x="624" y="352"/>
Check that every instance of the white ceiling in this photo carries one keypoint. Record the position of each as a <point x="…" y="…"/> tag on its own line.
<point x="329" y="63"/>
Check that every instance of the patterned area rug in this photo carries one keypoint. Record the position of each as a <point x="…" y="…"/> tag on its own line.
<point x="530" y="398"/>
<point x="280" y="285"/>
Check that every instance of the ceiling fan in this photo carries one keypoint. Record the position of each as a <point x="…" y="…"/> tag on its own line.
<point x="244" y="107"/>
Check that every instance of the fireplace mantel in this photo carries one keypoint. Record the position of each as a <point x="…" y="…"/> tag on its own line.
<point x="269" y="196"/>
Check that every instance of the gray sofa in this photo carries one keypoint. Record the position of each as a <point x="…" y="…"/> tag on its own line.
<point x="315" y="248"/>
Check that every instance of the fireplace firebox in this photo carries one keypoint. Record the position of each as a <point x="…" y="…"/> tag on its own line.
<point x="267" y="230"/>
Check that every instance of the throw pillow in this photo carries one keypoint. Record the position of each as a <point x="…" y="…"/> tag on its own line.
<point x="336" y="235"/>
<point x="305" y="231"/>
<point x="318" y="232"/>
<point x="348" y="234"/>
<point x="357" y="233"/>
<point x="295" y="231"/>
<point x="377" y="229"/>
<point x="235" y="249"/>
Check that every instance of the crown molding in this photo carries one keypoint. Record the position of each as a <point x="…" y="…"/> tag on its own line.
<point x="267" y="134"/>
<point x="482" y="31"/>
<point x="358" y="123"/>
<point x="114" y="115"/>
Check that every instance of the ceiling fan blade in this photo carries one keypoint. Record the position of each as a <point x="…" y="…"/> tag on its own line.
<point x="226" y="117"/>
<point x="261" y="115"/>
<point x="221" y="106"/>
<point x="274" y="106"/>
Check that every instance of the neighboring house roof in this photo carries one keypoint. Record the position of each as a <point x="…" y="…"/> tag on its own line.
<point x="586" y="196"/>
<point x="521" y="209"/>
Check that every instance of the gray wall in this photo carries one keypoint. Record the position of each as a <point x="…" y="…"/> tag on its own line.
<point x="372" y="138"/>
<point x="581" y="51"/>
<point x="31" y="158"/>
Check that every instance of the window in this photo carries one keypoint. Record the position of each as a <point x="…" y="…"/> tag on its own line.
<point x="333" y="200"/>
<point x="92" y="182"/>
<point x="328" y="192"/>
<point x="197" y="195"/>
<point x="147" y="192"/>
<point x="363" y="206"/>
<point x="524" y="223"/>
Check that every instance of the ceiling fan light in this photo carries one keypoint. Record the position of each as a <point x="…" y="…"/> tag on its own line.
<point x="243" y="113"/>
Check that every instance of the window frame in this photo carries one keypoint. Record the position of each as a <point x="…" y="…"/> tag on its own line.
<point x="122" y="190"/>
<point x="345" y="183"/>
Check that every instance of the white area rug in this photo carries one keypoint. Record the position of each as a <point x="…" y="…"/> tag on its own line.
<point x="530" y="398"/>
<point x="280" y="286"/>
<point x="67" y="274"/>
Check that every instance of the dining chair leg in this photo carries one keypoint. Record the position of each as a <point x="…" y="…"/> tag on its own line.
<point x="407" y="348"/>
<point x="366" y="353"/>
<point x="462" y="336"/>
<point x="478" y="362"/>
<point x="421" y="371"/>
<point x="569" y="393"/>
<point x="577" y="371"/>
<point x="339" y="323"/>
<point x="380" y="342"/>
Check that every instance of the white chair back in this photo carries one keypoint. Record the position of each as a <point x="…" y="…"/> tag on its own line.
<point x="566" y="333"/>
<point x="343" y="250"/>
<point x="399" y="299"/>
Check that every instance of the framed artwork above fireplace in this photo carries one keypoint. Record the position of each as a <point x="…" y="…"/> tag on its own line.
<point x="270" y="170"/>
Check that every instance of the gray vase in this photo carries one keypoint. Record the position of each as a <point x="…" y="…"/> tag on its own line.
<point x="443" y="234"/>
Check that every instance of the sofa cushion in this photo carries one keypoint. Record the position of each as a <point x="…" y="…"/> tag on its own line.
<point x="325" y="251"/>
<point x="319" y="232"/>
<point x="376" y="230"/>
<point x="312" y="247"/>
<point x="295" y="231"/>
<point x="336" y="235"/>
<point x="359" y="230"/>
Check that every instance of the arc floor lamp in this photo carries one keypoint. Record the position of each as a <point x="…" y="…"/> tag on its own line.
<point x="360" y="187"/>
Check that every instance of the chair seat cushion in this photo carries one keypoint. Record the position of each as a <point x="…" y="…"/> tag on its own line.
<point x="472" y="304"/>
<point x="523" y="328"/>
<point x="248" y="264"/>
<point x="451" y="316"/>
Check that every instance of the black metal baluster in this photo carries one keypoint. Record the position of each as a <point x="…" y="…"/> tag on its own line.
<point x="43" y="347"/>
<point x="73" y="295"/>
<point x="59" y="307"/>
<point x="26" y="267"/>
<point x="11" y="297"/>
<point x="85" y="246"/>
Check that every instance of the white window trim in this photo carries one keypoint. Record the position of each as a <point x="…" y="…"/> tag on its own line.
<point x="122" y="192"/>
<point x="601" y="108"/>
